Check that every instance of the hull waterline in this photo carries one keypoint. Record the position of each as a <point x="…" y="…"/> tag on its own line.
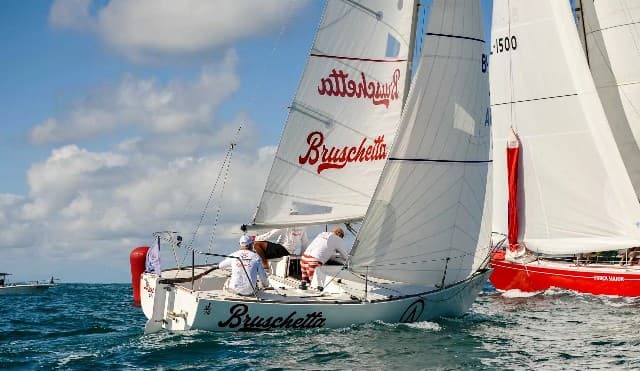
<point x="540" y="275"/>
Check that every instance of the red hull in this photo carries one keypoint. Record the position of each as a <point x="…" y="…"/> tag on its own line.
<point x="540" y="276"/>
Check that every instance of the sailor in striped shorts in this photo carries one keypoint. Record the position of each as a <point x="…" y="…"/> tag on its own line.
<point x="321" y="249"/>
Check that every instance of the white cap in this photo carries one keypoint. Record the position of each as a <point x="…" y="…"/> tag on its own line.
<point x="245" y="241"/>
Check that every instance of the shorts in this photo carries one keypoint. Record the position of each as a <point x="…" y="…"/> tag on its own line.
<point x="275" y="251"/>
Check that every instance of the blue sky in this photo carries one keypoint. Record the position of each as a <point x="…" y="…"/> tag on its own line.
<point x="115" y="116"/>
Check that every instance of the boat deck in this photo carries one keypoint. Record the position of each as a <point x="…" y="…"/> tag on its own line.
<point x="341" y="287"/>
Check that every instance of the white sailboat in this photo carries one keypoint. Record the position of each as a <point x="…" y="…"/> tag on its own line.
<point x="610" y="32"/>
<point x="574" y="195"/>
<point x="423" y="246"/>
<point x="27" y="288"/>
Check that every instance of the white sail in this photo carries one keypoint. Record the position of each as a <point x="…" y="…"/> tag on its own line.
<point x="344" y="115"/>
<point x="612" y="30"/>
<point x="575" y="194"/>
<point x="431" y="211"/>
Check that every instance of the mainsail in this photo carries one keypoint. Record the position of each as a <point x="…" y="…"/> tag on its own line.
<point x="612" y="32"/>
<point x="344" y="116"/>
<point x="429" y="220"/>
<point x="575" y="194"/>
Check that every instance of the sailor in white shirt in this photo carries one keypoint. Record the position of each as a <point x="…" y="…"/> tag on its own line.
<point x="280" y="242"/>
<point x="239" y="283"/>
<point x="321" y="249"/>
<point x="293" y="239"/>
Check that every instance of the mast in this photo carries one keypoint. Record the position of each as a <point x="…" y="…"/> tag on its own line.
<point x="412" y="47"/>
<point x="582" y="32"/>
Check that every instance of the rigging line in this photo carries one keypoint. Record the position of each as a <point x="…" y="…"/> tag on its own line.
<point x="534" y="99"/>
<point x="418" y="258"/>
<point x="317" y="55"/>
<point x="211" y="193"/>
<point x="612" y="27"/>
<point x="440" y="161"/>
<point x="224" y="183"/>
<point x="398" y="261"/>
<point x="455" y="37"/>
<point x="226" y="165"/>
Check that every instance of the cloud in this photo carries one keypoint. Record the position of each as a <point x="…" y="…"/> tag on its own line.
<point x="72" y="14"/>
<point x="147" y="28"/>
<point x="80" y="200"/>
<point x="86" y="208"/>
<point x="146" y="104"/>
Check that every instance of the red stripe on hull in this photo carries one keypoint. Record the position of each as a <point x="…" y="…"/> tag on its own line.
<point x="533" y="277"/>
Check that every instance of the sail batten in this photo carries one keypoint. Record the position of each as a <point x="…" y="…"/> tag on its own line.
<point x="343" y="117"/>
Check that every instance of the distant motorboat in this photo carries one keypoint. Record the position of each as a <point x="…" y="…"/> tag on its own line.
<point x="22" y="288"/>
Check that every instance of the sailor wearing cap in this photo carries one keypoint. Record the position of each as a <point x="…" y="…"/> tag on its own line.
<point x="245" y="266"/>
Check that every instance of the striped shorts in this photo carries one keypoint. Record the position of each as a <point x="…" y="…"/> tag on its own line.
<point x="308" y="265"/>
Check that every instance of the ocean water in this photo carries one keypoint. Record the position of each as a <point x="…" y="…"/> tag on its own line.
<point x="90" y="326"/>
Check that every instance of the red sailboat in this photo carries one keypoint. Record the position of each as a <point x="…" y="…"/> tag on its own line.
<point x="563" y="199"/>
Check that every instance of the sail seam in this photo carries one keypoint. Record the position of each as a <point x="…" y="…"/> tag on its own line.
<point x="455" y="37"/>
<point x="612" y="27"/>
<point x="357" y="59"/>
<point x="535" y="99"/>
<point x="309" y="198"/>
<point x="443" y="161"/>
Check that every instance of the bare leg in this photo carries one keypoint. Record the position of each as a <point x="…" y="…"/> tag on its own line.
<point x="261" y="250"/>
<point x="632" y="257"/>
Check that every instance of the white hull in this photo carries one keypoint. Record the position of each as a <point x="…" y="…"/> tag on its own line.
<point x="23" y="289"/>
<point x="341" y="304"/>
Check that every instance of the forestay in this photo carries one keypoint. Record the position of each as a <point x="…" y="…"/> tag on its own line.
<point x="344" y="116"/>
<point x="429" y="220"/>
<point x="576" y="195"/>
<point x="612" y="31"/>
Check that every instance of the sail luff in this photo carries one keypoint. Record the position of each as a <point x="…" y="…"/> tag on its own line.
<point x="343" y="117"/>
